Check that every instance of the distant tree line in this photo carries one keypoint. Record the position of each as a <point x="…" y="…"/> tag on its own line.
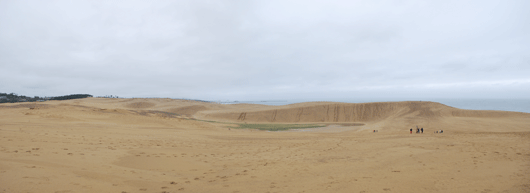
<point x="72" y="96"/>
<point x="13" y="98"/>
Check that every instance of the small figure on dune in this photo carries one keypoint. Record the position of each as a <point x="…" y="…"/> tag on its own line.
<point x="442" y="131"/>
<point x="417" y="130"/>
<point x="422" y="130"/>
<point x="410" y="130"/>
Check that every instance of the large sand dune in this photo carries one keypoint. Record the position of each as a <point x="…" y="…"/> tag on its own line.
<point x="165" y="145"/>
<point x="344" y="112"/>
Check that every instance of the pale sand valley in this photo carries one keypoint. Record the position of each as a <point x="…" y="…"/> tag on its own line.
<point x="167" y="145"/>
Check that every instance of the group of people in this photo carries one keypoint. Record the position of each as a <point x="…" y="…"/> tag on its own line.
<point x="420" y="130"/>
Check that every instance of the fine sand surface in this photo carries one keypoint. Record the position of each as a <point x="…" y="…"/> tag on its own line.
<point x="165" y="145"/>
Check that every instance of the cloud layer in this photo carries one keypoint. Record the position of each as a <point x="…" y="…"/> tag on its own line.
<point x="248" y="50"/>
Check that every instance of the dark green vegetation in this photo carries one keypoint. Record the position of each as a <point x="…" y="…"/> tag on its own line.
<point x="265" y="126"/>
<point x="277" y="127"/>
<point x="13" y="98"/>
<point x="268" y="127"/>
<point x="72" y="96"/>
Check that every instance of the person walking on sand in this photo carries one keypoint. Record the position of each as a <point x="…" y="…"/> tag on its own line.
<point x="422" y="130"/>
<point x="410" y="130"/>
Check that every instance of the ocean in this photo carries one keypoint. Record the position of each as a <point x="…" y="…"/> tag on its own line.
<point x="517" y="105"/>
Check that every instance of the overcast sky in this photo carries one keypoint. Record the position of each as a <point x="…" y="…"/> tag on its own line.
<point x="259" y="50"/>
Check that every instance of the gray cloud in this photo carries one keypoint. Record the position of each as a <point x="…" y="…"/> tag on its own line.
<point x="246" y="50"/>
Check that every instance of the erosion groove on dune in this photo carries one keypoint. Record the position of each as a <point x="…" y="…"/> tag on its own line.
<point x="188" y="110"/>
<point x="140" y="105"/>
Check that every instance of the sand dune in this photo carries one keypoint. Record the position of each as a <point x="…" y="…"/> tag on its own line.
<point x="165" y="145"/>
<point x="344" y="112"/>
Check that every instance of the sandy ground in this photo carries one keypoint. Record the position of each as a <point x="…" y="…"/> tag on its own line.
<point x="151" y="145"/>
